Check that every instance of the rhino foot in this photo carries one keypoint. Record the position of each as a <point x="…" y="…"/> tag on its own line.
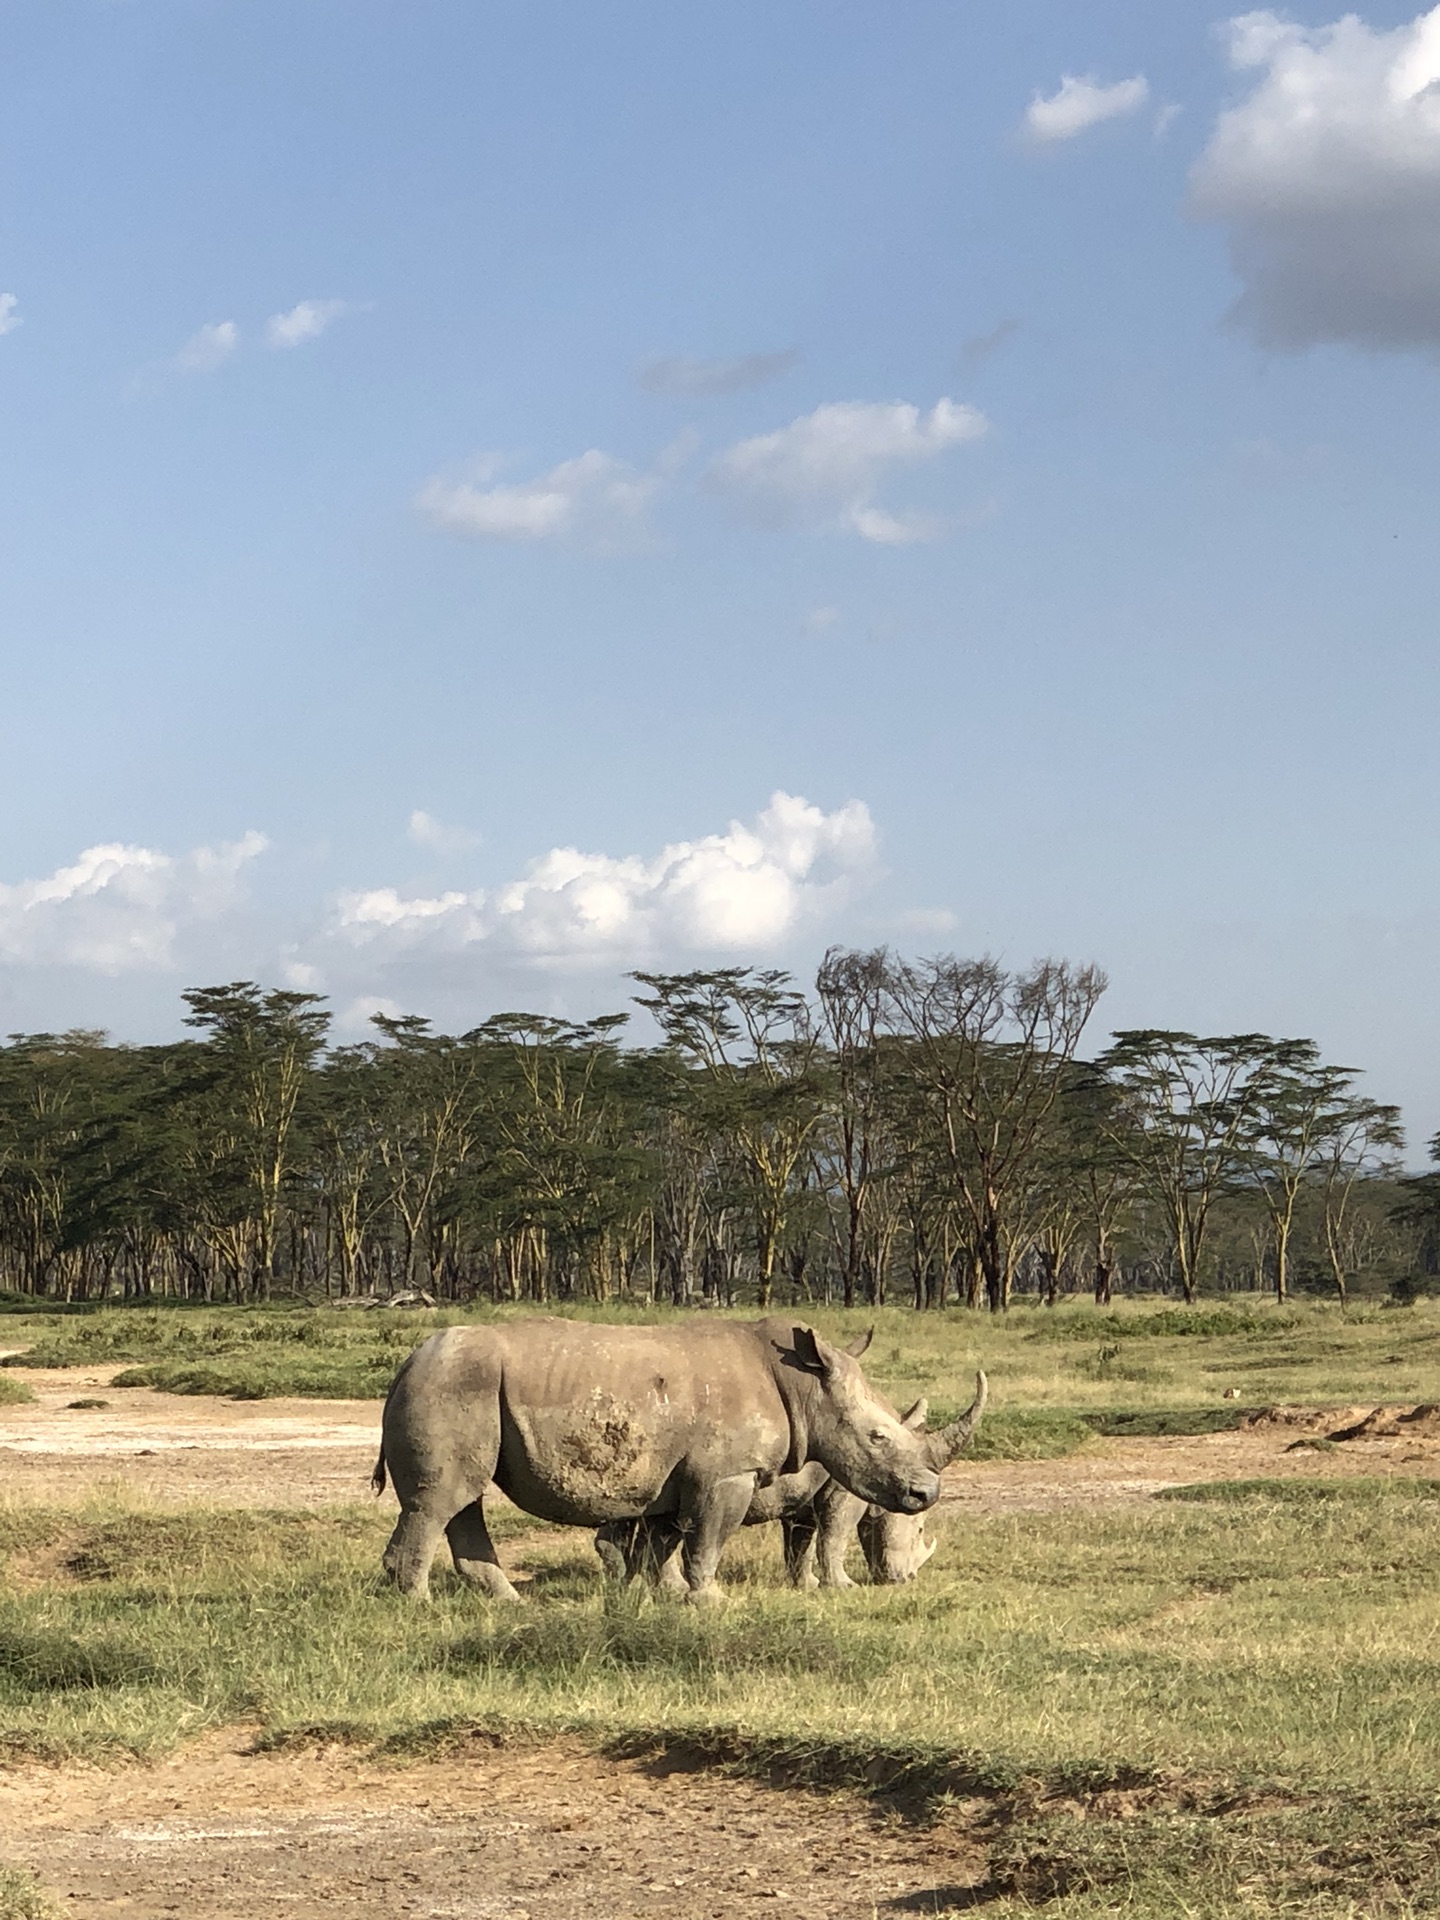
<point x="713" y="1595"/>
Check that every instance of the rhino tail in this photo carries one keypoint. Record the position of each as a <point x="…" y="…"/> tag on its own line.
<point x="950" y="1441"/>
<point x="377" y="1478"/>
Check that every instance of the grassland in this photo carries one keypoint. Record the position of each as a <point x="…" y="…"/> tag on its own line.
<point x="1056" y="1376"/>
<point x="1218" y="1704"/>
<point x="1234" y="1671"/>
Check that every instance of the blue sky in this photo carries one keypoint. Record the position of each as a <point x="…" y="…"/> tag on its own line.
<point x="459" y="462"/>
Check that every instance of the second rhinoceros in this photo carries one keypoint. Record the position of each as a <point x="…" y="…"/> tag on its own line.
<point x="819" y="1519"/>
<point x="584" y="1425"/>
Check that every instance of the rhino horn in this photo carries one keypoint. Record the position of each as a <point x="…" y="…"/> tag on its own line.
<point x="858" y="1345"/>
<point x="915" y="1418"/>
<point x="942" y="1447"/>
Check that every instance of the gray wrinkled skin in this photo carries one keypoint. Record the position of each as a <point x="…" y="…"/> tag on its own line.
<point x="588" y="1425"/>
<point x="820" y="1520"/>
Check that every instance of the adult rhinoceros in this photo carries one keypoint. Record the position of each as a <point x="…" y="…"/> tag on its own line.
<point x="820" y="1519"/>
<point x="584" y="1424"/>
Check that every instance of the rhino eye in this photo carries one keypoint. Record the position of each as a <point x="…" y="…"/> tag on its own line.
<point x="878" y="1433"/>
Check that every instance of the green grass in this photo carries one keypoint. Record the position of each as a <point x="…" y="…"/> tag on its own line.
<point x="1254" y="1636"/>
<point x="1239" y="1694"/>
<point x="23" y="1898"/>
<point x="14" y="1393"/>
<point x="1302" y="1492"/>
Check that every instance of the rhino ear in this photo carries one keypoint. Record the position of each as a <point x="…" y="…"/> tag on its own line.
<point x="915" y="1418"/>
<point x="809" y="1353"/>
<point x="859" y="1345"/>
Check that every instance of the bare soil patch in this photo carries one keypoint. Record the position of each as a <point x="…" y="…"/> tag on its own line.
<point x="546" y="1833"/>
<point x="180" y="1449"/>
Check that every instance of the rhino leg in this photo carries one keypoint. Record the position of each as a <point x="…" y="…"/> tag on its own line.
<point x="412" y="1547"/>
<point x="721" y="1512"/>
<point x="839" y="1516"/>
<point x="615" y="1544"/>
<point x="798" y="1531"/>
<point x="473" y="1552"/>
<point x="668" y="1562"/>
<point x="643" y="1550"/>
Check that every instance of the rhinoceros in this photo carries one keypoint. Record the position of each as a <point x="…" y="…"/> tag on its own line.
<point x="584" y="1424"/>
<point x="819" y="1519"/>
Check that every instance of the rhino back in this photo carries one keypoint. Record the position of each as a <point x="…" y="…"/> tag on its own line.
<point x="600" y="1422"/>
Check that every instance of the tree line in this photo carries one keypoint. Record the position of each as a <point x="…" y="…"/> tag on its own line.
<point x="931" y="1130"/>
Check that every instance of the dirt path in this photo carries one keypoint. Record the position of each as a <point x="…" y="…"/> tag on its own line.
<point x="549" y="1833"/>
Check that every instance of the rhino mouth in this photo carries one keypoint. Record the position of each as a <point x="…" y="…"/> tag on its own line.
<point x="918" y="1499"/>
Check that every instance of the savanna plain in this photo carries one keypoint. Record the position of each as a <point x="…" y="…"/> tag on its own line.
<point x="1176" y="1654"/>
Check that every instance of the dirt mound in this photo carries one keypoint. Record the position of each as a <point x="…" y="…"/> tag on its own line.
<point x="1392" y="1423"/>
<point x="1300" y="1419"/>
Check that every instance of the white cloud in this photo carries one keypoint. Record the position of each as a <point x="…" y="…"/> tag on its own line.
<point x="740" y="891"/>
<point x="1327" y="176"/>
<point x="119" y="907"/>
<point x="593" y="499"/>
<point x="353" y="1020"/>
<point x="685" y="375"/>
<point x="209" y="348"/>
<point x="929" y="922"/>
<point x="9" y="313"/>
<point x="823" y="469"/>
<point x="821" y="619"/>
<point x="1082" y="103"/>
<point x="426" y="831"/>
<point x="307" y="321"/>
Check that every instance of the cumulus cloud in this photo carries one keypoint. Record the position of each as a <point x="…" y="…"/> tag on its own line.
<point x="593" y="499"/>
<point x="117" y="907"/>
<point x="824" y="468"/>
<point x="209" y="348"/>
<point x="9" y="313"/>
<point x="685" y="375"/>
<point x="307" y="321"/>
<point x="740" y="891"/>
<point x="1081" y="103"/>
<point x="1327" y="176"/>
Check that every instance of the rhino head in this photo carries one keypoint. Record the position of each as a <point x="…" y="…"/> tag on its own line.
<point x="894" y="1544"/>
<point x="860" y="1440"/>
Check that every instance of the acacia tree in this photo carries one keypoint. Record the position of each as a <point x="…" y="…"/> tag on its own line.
<point x="853" y="1148"/>
<point x="259" y="1050"/>
<point x="1184" y="1116"/>
<point x="751" y="1038"/>
<point x="426" y="1118"/>
<point x="1304" y="1120"/>
<point x="988" y="1050"/>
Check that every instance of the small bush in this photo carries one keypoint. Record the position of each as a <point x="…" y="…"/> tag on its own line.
<point x="23" y="1898"/>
